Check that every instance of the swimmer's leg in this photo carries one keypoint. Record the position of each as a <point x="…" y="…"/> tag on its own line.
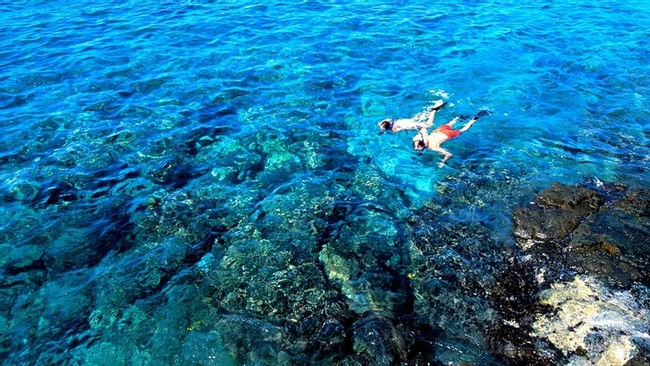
<point x="474" y="119"/>
<point x="468" y="124"/>
<point x="432" y="114"/>
<point x="439" y="104"/>
<point x="453" y="121"/>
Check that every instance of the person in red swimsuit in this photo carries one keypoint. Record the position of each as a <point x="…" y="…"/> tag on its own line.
<point x="432" y="141"/>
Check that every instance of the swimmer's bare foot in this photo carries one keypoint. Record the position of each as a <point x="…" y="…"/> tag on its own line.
<point x="441" y="164"/>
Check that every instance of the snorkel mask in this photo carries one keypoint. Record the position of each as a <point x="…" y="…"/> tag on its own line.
<point x="418" y="144"/>
<point x="386" y="125"/>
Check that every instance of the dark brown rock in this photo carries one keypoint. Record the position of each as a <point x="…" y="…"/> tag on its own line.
<point x="555" y="213"/>
<point x="544" y="225"/>
<point x="615" y="242"/>
<point x="563" y="196"/>
<point x="610" y="240"/>
<point x="605" y="262"/>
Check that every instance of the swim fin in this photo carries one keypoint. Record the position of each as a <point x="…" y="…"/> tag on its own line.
<point x="482" y="113"/>
<point x="437" y="107"/>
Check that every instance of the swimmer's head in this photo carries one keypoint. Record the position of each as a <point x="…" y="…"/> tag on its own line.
<point x="386" y="124"/>
<point x="418" y="143"/>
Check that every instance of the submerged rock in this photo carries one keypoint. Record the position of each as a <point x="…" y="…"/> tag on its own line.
<point x="515" y="300"/>
<point x="366" y="260"/>
<point x="454" y="260"/>
<point x="615" y="242"/>
<point x="376" y="341"/>
<point x="597" y="232"/>
<point x="19" y="258"/>
<point x="591" y="325"/>
<point x="555" y="213"/>
<point x="591" y="245"/>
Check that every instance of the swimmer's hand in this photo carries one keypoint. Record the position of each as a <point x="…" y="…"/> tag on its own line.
<point x="444" y="160"/>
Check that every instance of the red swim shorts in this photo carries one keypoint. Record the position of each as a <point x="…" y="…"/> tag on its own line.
<point x="447" y="130"/>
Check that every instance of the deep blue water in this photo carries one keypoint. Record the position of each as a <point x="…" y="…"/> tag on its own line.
<point x="131" y="130"/>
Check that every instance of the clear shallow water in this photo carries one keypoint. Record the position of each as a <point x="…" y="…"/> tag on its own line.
<point x="132" y="131"/>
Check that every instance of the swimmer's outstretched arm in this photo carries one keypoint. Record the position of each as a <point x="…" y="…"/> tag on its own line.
<point x="447" y="155"/>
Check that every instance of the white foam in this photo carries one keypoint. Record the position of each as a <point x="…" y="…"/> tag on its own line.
<point x="439" y="93"/>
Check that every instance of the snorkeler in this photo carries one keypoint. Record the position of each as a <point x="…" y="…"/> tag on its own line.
<point x="403" y="124"/>
<point x="424" y="140"/>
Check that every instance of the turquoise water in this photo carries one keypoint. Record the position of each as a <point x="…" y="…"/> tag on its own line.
<point x="177" y="175"/>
